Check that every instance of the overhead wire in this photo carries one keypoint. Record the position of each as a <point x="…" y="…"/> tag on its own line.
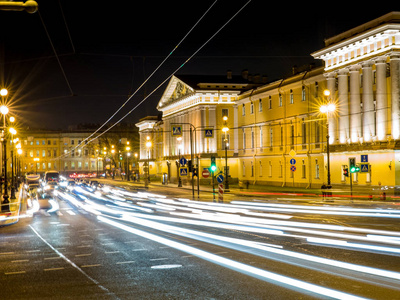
<point x="145" y="81"/>
<point x="154" y="71"/>
<point x="181" y="66"/>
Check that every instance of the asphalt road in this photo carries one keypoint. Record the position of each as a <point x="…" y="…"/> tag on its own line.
<point x="123" y="245"/>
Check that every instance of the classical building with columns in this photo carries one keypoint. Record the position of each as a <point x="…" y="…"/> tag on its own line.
<point x="277" y="134"/>
<point x="362" y="69"/>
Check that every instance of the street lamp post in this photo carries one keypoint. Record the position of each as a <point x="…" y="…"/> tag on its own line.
<point x="4" y="111"/>
<point x="148" y="146"/>
<point x="326" y="109"/>
<point x="13" y="132"/>
<point x="225" y="129"/>
<point x="127" y="162"/>
<point x="179" y="161"/>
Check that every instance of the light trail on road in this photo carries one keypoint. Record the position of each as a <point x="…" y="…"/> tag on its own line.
<point x="195" y="219"/>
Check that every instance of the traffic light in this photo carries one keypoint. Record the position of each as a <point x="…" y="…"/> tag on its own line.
<point x="213" y="165"/>
<point x="346" y="172"/>
<point x="190" y="166"/>
<point x="352" y="164"/>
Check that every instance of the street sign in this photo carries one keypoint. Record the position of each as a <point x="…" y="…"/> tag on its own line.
<point x="292" y="153"/>
<point x="293" y="168"/>
<point x="364" y="158"/>
<point x="176" y="130"/>
<point x="208" y="133"/>
<point x="364" y="168"/>
<point x="183" y="171"/>
<point x="292" y="161"/>
<point x="206" y="173"/>
<point x="183" y="161"/>
<point x="220" y="178"/>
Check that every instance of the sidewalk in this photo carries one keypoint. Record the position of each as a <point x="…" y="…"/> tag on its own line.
<point x="11" y="217"/>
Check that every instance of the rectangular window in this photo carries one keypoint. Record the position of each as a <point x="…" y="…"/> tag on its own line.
<point x="270" y="169"/>
<point x="280" y="100"/>
<point x="252" y="138"/>
<point x="303" y="93"/>
<point x="225" y="112"/>
<point x="292" y="136"/>
<point x="244" y="138"/>
<point x="316" y="169"/>
<point x="303" y="169"/>
<point x="251" y="108"/>
<point x="49" y="166"/>
<point x="243" y="110"/>
<point x="261" y="137"/>
<point x="260" y="105"/>
<point x="291" y="97"/>
<point x="271" y="137"/>
<point x="270" y="102"/>
<point x="65" y="165"/>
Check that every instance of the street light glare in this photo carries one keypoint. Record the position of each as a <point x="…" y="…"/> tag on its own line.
<point x="331" y="107"/>
<point x="3" y="109"/>
<point x="3" y="92"/>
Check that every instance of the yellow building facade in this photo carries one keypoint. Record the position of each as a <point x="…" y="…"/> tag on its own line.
<point x="277" y="134"/>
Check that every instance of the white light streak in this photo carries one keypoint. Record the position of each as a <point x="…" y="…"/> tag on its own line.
<point x="234" y="265"/>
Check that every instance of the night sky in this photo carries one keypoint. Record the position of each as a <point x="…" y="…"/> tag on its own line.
<point x="75" y="62"/>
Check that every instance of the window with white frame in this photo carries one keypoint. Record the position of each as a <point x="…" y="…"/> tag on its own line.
<point x="260" y="108"/>
<point x="244" y="138"/>
<point x="280" y="100"/>
<point x="303" y="93"/>
<point x="243" y="110"/>
<point x="291" y="97"/>
<point x="251" y="108"/>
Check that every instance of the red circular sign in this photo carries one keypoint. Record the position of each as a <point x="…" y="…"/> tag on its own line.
<point x="205" y="173"/>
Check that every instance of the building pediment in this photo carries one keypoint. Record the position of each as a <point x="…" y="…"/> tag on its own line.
<point x="175" y="91"/>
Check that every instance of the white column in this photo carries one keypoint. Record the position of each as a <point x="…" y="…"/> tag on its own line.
<point x="368" y="102"/>
<point x="235" y="130"/>
<point x="343" y="107"/>
<point x="331" y="83"/>
<point x="212" y="122"/>
<point x="395" y="76"/>
<point x="381" y="99"/>
<point x="355" y="103"/>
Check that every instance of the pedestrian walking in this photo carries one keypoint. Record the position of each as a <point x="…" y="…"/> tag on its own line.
<point x="323" y="190"/>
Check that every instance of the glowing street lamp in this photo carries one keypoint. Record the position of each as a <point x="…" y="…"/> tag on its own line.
<point x="225" y="130"/>
<point x="326" y="109"/>
<point x="148" y="146"/>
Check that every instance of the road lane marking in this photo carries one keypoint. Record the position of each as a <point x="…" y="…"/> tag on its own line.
<point x="55" y="257"/>
<point x="111" y="252"/>
<point x="153" y="259"/>
<point x="53" y="269"/>
<point x="13" y="273"/>
<point x="125" y="262"/>
<point x="21" y="260"/>
<point x="71" y="262"/>
<point x="6" y="253"/>
<point x="85" y="254"/>
<point x="166" y="266"/>
<point x="90" y="266"/>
